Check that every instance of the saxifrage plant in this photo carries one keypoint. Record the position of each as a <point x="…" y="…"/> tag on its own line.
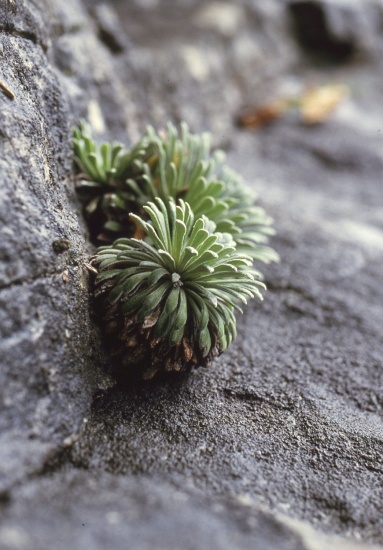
<point x="168" y="165"/>
<point x="171" y="303"/>
<point x="183" y="232"/>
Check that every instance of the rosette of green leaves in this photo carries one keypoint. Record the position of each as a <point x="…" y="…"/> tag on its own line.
<point x="170" y="301"/>
<point x="182" y="166"/>
<point x="101" y="183"/>
<point x="170" y="165"/>
<point x="173" y="163"/>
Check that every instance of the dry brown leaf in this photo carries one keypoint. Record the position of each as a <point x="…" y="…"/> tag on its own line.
<point x="315" y="105"/>
<point x="265" y="114"/>
<point x="7" y="91"/>
<point x="151" y="320"/>
<point x="188" y="351"/>
<point x="318" y="103"/>
<point x="132" y="342"/>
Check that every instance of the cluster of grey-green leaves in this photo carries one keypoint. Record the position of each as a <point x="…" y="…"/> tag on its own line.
<point x="180" y="232"/>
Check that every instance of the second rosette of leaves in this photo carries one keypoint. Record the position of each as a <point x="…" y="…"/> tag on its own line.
<point x="182" y="232"/>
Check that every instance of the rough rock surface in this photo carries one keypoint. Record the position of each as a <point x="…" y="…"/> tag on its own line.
<point x="281" y="441"/>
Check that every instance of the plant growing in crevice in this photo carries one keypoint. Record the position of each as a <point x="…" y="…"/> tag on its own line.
<point x="103" y="171"/>
<point x="169" y="165"/>
<point x="170" y="302"/>
<point x="183" y="231"/>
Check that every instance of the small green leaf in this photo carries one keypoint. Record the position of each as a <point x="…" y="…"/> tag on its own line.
<point x="156" y="275"/>
<point x="152" y="301"/>
<point x="205" y="341"/>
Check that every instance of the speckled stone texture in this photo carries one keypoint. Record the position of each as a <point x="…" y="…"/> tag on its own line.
<point x="279" y="445"/>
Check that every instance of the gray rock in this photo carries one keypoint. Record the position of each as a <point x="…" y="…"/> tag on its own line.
<point x="283" y="435"/>
<point x="337" y="30"/>
<point x="106" y="511"/>
<point x="48" y="345"/>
